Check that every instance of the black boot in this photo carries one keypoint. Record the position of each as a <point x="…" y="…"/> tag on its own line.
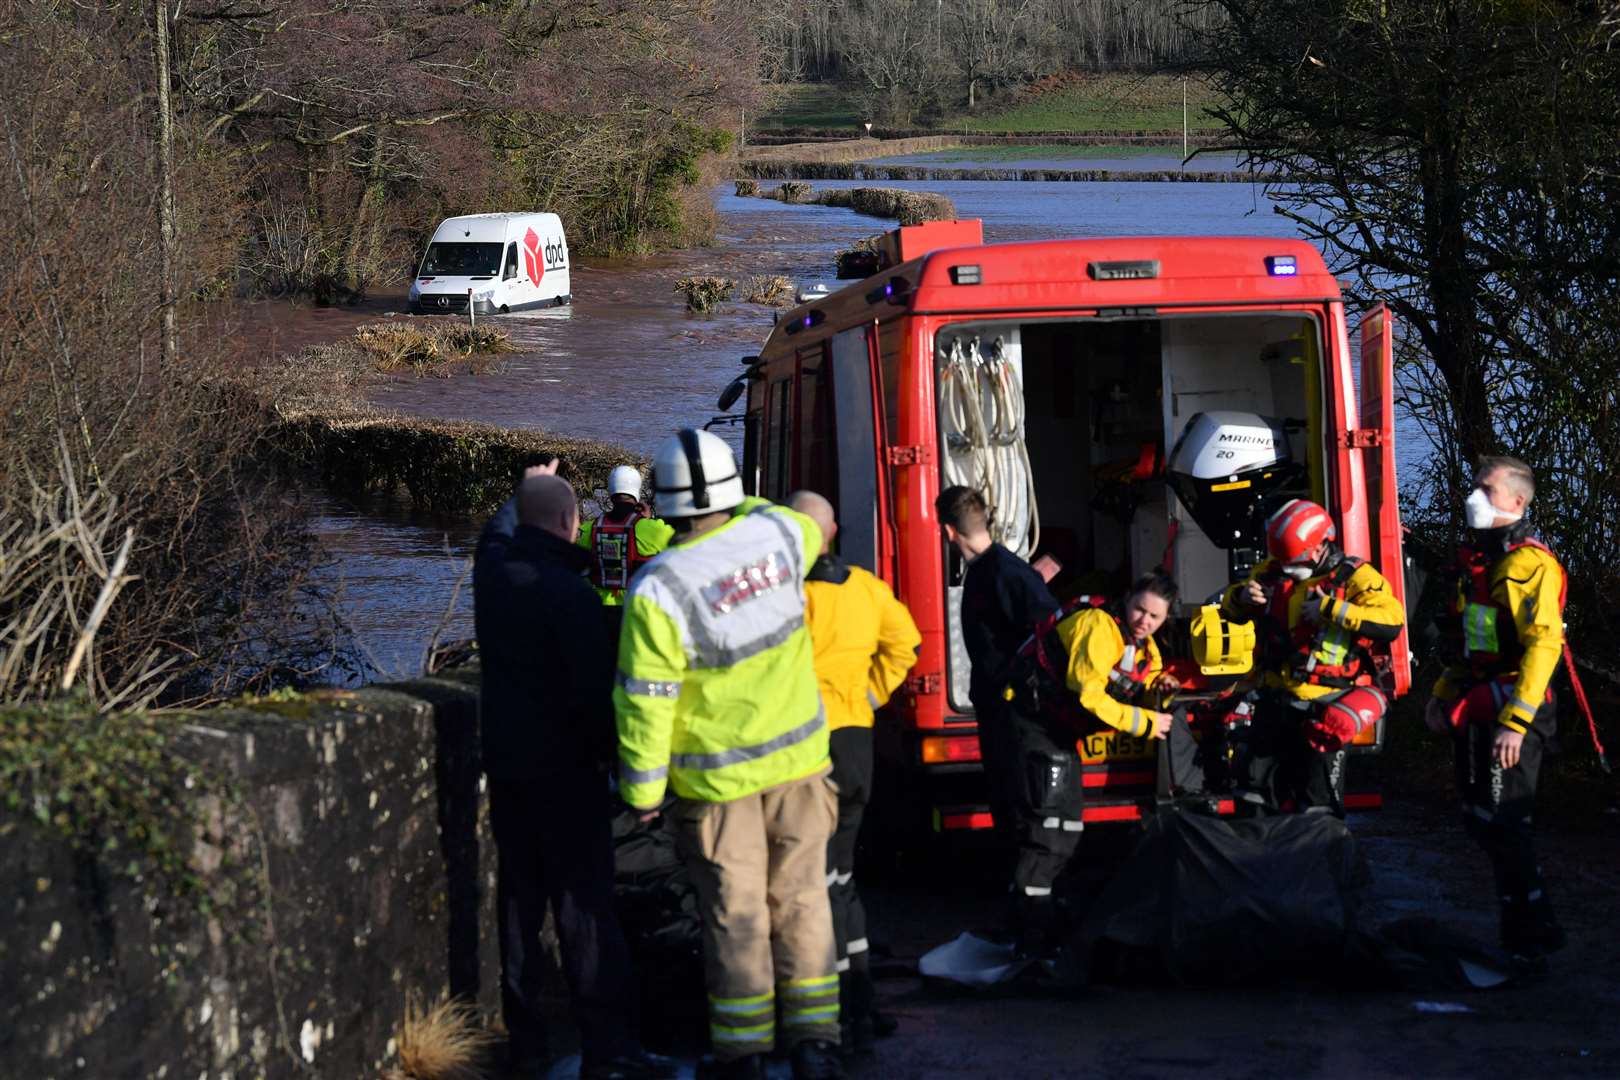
<point x="856" y="997"/>
<point x="817" y="1059"/>
<point x="1529" y="927"/>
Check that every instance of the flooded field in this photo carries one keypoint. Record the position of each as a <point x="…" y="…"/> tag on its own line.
<point x="628" y="364"/>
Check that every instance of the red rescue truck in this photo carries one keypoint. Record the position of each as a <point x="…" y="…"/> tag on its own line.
<point x="1126" y="403"/>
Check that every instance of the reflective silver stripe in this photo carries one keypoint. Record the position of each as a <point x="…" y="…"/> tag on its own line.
<point x="792" y="533"/>
<point x="1052" y="823"/>
<point x="697" y="627"/>
<point x="642" y="776"/>
<point x="844" y="878"/>
<point x="719" y="658"/>
<point x="1074" y="826"/>
<point x="843" y="965"/>
<point x="648" y="688"/>
<point x="737" y="755"/>
<point x="859" y="945"/>
<point x="706" y="650"/>
<point x="1519" y="702"/>
<point x="872" y="700"/>
<point x="1139" y="723"/>
<point x="1037" y="890"/>
<point x="832" y="878"/>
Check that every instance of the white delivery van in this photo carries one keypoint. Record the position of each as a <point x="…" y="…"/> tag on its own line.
<point x="511" y="262"/>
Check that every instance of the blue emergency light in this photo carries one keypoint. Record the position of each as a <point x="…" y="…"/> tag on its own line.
<point x="1281" y="266"/>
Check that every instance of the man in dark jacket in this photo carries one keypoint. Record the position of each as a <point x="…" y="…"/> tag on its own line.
<point x="546" y="716"/>
<point x="1003" y="597"/>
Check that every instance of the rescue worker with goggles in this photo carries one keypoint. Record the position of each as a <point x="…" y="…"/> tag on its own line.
<point x="1087" y="666"/>
<point x="717" y="700"/>
<point x="1504" y="626"/>
<point x="624" y="538"/>
<point x="865" y="642"/>
<point x="1320" y="610"/>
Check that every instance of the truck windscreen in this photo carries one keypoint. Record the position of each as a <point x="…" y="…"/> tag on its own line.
<point x="462" y="260"/>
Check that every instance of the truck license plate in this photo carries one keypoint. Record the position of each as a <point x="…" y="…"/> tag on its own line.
<point x="1100" y="746"/>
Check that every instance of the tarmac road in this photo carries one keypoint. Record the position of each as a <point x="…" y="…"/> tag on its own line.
<point x="1565" y="1025"/>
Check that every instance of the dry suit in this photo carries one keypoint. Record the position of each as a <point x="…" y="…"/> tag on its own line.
<point x="865" y="642"/>
<point x="1314" y="637"/>
<point x="1078" y="673"/>
<point x="1505" y="629"/>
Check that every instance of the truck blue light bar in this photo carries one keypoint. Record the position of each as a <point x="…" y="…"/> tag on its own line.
<point x="1281" y="266"/>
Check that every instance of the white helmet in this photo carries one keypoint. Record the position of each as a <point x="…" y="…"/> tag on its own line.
<point x="625" y="480"/>
<point x="694" y="474"/>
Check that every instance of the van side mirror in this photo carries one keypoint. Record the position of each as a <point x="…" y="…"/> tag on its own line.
<point x="510" y="272"/>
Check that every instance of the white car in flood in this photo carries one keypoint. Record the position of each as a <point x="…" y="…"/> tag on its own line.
<point x="508" y="262"/>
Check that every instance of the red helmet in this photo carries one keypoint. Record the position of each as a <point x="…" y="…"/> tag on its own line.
<point x="1296" y="528"/>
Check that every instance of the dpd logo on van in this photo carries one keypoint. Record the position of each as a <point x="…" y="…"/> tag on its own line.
<point x="532" y="262"/>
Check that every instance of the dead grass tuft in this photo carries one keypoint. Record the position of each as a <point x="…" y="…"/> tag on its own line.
<point x="443" y="1041"/>
<point x="427" y="348"/>
<point x="773" y="290"/>
<point x="703" y="293"/>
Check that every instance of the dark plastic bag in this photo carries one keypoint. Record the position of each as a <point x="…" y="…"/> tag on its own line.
<point x="1214" y="901"/>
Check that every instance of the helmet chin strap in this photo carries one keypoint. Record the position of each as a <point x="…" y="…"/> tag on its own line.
<point x="694" y="463"/>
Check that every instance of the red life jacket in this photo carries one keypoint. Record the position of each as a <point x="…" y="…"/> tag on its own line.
<point x="1321" y="653"/>
<point x="613" y="543"/>
<point x="1481" y="630"/>
<point x="1047" y="662"/>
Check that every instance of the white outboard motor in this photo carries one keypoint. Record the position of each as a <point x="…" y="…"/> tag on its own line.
<point x="1229" y="469"/>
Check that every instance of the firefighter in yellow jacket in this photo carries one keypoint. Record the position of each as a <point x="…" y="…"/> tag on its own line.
<point x="1505" y="627"/>
<point x="1319" y="610"/>
<point x="717" y="701"/>
<point x="1088" y="664"/>
<point x="865" y="642"/>
<point x="624" y="538"/>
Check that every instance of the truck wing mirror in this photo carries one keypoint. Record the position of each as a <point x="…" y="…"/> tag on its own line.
<point x="729" y="396"/>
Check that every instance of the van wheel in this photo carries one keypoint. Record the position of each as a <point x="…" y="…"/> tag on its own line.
<point x="505" y="310"/>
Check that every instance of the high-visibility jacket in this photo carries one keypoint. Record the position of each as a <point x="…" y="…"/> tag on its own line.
<point x="716" y="696"/>
<point x="1107" y="672"/>
<point x="614" y="560"/>
<point x="1509" y="613"/>
<point x="1308" y="660"/>
<point x="865" y="640"/>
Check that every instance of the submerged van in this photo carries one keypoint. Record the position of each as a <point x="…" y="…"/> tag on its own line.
<point x="1126" y="403"/>
<point x="510" y="262"/>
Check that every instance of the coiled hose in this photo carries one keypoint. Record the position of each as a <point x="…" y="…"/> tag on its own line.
<point x="981" y="405"/>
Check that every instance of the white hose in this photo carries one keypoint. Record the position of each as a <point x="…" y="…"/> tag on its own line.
<point x="981" y="404"/>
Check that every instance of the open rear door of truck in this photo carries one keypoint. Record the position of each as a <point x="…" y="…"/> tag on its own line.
<point x="1377" y="438"/>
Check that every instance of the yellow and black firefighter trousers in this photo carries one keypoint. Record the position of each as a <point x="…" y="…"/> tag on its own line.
<point x="759" y="864"/>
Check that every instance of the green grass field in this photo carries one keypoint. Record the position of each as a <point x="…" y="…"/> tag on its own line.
<point x="808" y="105"/>
<point x="1116" y="102"/>
<point x="1069" y="102"/>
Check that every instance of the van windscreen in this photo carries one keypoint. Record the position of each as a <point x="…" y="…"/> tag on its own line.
<point x="462" y="260"/>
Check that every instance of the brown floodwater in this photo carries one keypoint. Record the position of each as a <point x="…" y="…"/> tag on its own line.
<point x="627" y="363"/>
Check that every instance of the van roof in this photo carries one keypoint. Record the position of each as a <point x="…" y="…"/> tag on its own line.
<point x="1064" y="275"/>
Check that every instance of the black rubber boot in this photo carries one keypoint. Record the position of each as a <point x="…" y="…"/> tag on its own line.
<point x="1529" y="927"/>
<point x="816" y="1059"/>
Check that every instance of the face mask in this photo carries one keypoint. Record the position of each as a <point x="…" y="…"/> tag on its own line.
<point x="1298" y="572"/>
<point x="1481" y="514"/>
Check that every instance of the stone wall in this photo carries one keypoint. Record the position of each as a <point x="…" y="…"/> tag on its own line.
<point x="368" y="807"/>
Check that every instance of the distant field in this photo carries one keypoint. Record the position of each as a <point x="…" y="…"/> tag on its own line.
<point x="1120" y="102"/>
<point x="1071" y="102"/>
<point x="1026" y="152"/>
<point x="808" y="105"/>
